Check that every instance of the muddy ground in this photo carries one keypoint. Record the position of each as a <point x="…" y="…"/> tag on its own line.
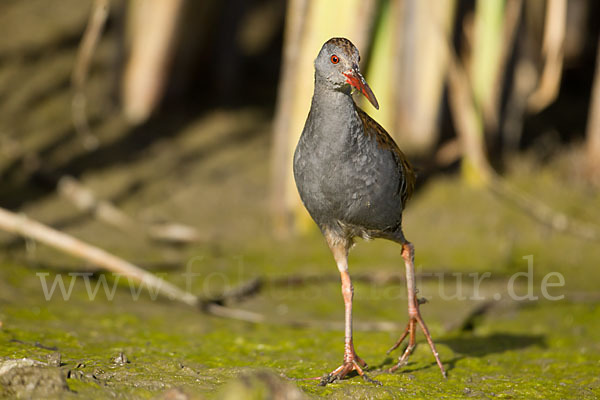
<point x="103" y="338"/>
<point x="122" y="345"/>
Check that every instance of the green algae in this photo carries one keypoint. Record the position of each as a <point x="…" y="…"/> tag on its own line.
<point x="537" y="349"/>
<point x="532" y="354"/>
<point x="515" y="349"/>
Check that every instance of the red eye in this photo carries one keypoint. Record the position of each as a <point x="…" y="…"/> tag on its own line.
<point x="335" y="59"/>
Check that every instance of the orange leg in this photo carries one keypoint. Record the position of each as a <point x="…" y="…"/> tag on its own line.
<point x="352" y="362"/>
<point x="414" y="315"/>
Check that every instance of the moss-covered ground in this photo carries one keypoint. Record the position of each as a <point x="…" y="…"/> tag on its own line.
<point x="210" y="169"/>
<point x="512" y="348"/>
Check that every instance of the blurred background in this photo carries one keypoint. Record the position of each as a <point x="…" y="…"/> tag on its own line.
<point x="160" y="100"/>
<point x="163" y="130"/>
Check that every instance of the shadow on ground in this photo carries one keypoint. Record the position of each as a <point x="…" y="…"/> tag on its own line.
<point x="480" y="346"/>
<point x="475" y="346"/>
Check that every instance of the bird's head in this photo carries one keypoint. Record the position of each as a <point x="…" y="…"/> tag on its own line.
<point x="337" y="66"/>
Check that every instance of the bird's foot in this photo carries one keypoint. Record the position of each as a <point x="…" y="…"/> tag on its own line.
<point x="410" y="331"/>
<point x="351" y="363"/>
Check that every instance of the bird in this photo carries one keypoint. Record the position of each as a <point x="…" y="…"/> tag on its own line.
<point x="354" y="181"/>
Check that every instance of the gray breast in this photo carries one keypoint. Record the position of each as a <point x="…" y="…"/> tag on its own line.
<point x="343" y="176"/>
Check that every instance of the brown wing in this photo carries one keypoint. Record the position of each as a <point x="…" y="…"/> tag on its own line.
<point x="385" y="141"/>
